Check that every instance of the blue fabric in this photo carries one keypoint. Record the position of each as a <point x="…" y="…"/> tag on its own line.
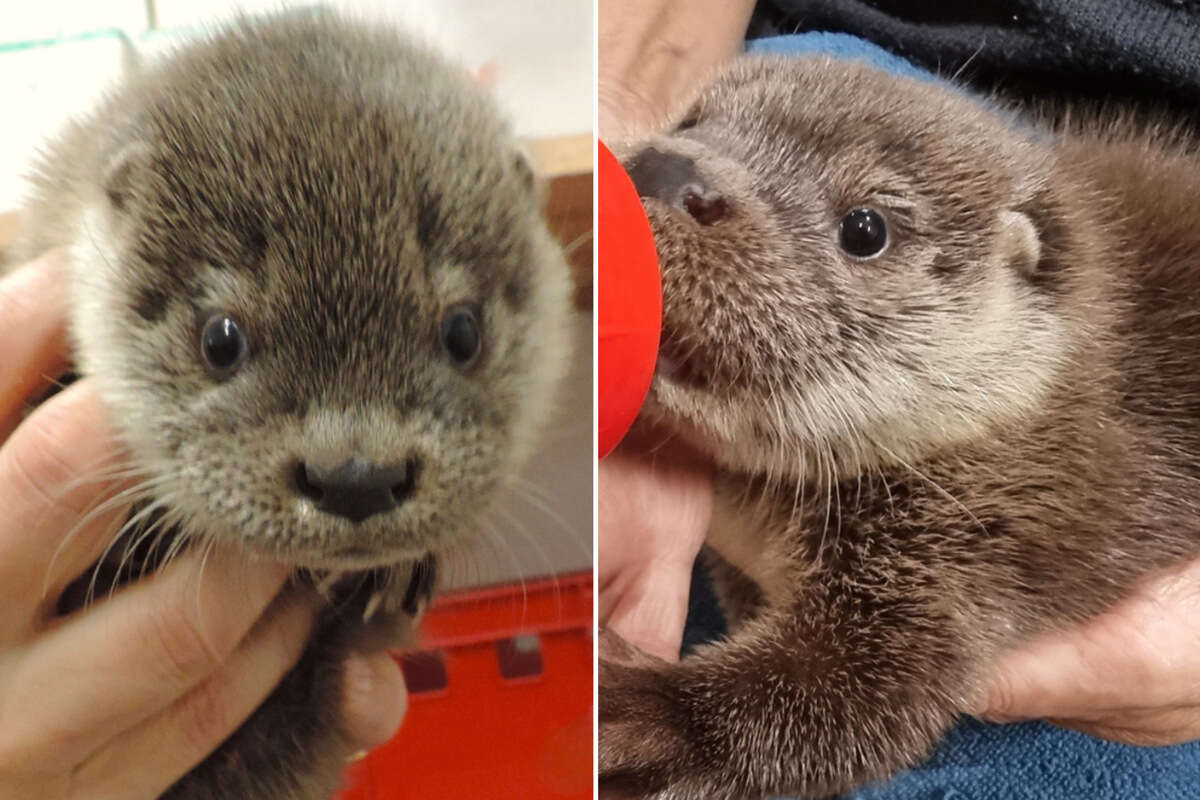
<point x="838" y="45"/>
<point x="1037" y="761"/>
<point x="978" y="760"/>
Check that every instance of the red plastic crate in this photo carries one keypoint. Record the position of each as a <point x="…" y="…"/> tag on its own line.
<point x="512" y="718"/>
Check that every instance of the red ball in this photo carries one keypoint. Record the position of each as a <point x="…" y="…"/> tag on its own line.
<point x="628" y="302"/>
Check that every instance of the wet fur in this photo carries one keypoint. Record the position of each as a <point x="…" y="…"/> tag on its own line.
<point x="924" y="458"/>
<point x="336" y="187"/>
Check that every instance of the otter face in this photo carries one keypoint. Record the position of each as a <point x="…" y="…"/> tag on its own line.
<point x="850" y="274"/>
<point x="321" y="304"/>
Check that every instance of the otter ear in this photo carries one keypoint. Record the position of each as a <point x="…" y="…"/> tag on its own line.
<point x="119" y="173"/>
<point x="522" y="165"/>
<point x="1018" y="244"/>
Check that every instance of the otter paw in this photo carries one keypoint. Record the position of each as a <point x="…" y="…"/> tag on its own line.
<point x="642" y="741"/>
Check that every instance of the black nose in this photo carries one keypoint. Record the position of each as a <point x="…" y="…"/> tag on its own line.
<point x="674" y="179"/>
<point x="357" y="489"/>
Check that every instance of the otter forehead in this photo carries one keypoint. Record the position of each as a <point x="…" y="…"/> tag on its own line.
<point x="316" y="195"/>
<point x="337" y="170"/>
<point x="852" y="128"/>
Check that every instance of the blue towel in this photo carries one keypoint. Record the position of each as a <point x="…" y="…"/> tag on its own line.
<point x="979" y="760"/>
<point x="1037" y="761"/>
<point x="838" y="45"/>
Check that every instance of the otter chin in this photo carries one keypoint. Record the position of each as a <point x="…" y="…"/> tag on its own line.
<point x="946" y="358"/>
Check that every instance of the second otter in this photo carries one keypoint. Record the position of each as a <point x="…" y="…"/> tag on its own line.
<point x="948" y="363"/>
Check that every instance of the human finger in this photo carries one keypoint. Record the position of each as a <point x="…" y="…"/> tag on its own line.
<point x="1143" y="654"/>
<point x="127" y="658"/>
<point x="33" y="340"/>
<point x="648" y="609"/>
<point x="1155" y="727"/>
<point x="57" y="484"/>
<point x="145" y="760"/>
<point x="374" y="698"/>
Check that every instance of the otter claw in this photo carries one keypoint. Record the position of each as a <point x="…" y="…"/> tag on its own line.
<point x="373" y="605"/>
<point x="420" y="586"/>
<point x="326" y="584"/>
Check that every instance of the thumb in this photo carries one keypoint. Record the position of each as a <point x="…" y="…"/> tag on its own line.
<point x="650" y="613"/>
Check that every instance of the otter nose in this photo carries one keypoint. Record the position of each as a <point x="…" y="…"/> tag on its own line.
<point x="674" y="179"/>
<point x="357" y="489"/>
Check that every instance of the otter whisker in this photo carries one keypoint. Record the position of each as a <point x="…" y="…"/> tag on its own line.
<point x="938" y="488"/>
<point x="837" y="501"/>
<point x="580" y="240"/>
<point x="161" y="528"/>
<point x="132" y="543"/>
<point x="326" y="584"/>
<point x="514" y="561"/>
<point x="207" y="544"/>
<point x="103" y="561"/>
<point x="538" y="500"/>
<point x="538" y="547"/>
<point x="181" y="541"/>
<point x="131" y="495"/>
<point x="101" y="470"/>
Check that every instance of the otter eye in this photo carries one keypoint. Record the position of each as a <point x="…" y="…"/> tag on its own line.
<point x="460" y="335"/>
<point x="222" y="344"/>
<point x="863" y="233"/>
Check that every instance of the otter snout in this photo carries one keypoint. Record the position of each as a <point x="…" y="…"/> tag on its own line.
<point x="674" y="179"/>
<point x="356" y="489"/>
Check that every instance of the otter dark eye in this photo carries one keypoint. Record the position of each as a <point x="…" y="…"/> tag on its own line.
<point x="222" y="344"/>
<point x="863" y="233"/>
<point x="460" y="335"/>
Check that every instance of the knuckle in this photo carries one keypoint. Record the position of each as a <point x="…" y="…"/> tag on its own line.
<point x="38" y="458"/>
<point x="186" y="651"/>
<point x="206" y="716"/>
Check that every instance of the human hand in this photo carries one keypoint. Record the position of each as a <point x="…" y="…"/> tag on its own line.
<point x="124" y="697"/>
<point x="654" y="507"/>
<point x="653" y="56"/>
<point x="1131" y="675"/>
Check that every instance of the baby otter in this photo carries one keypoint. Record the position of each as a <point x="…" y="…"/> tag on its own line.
<point x="947" y="362"/>
<point x="311" y="281"/>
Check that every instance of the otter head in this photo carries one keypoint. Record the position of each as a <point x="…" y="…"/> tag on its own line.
<point x="853" y="272"/>
<point x="316" y="292"/>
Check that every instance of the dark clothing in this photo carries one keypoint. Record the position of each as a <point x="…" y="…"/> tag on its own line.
<point x="1141" y="51"/>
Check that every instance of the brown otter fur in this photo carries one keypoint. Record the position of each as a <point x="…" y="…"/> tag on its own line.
<point x="989" y="430"/>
